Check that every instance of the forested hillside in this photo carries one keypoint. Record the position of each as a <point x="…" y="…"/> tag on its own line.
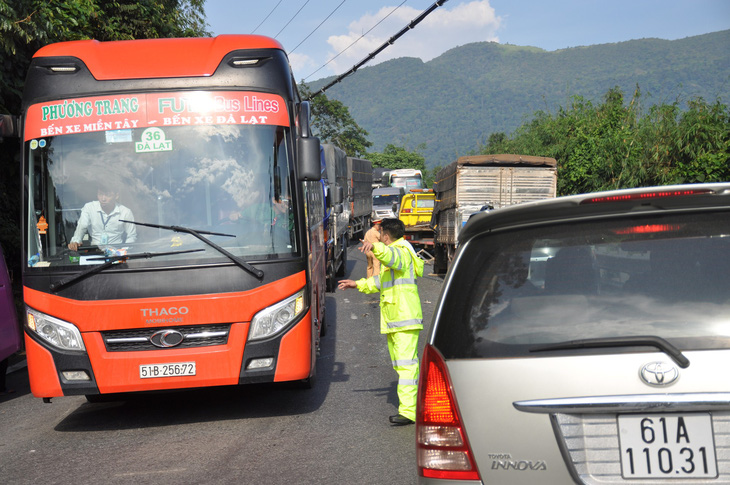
<point x="454" y="102"/>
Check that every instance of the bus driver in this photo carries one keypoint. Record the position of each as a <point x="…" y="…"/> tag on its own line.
<point x="100" y="219"/>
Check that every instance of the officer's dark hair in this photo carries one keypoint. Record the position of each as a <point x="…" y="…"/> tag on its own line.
<point x="393" y="227"/>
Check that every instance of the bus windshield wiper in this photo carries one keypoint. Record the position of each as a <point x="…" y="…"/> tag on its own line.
<point x="108" y="262"/>
<point x="639" y="341"/>
<point x="199" y="234"/>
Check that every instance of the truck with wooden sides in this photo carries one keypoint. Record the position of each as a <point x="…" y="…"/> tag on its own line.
<point x="360" y="195"/>
<point x="477" y="182"/>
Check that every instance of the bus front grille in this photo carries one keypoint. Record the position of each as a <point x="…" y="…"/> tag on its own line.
<point x="163" y="338"/>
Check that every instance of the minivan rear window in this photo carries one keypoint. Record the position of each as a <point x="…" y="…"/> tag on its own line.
<point x="665" y="276"/>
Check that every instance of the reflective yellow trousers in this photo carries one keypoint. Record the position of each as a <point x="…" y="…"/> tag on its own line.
<point x="403" y="348"/>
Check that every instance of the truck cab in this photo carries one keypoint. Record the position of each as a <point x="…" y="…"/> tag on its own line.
<point x="416" y="208"/>
<point x="386" y="202"/>
<point x="415" y="211"/>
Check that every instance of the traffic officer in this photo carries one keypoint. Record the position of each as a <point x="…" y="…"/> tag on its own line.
<point x="401" y="317"/>
<point x="373" y="236"/>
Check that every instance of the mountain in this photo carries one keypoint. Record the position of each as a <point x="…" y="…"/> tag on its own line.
<point x="455" y="101"/>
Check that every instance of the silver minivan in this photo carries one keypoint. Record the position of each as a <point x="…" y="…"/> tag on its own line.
<point x="583" y="339"/>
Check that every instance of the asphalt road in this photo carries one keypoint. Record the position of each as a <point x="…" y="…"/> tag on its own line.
<point x="337" y="432"/>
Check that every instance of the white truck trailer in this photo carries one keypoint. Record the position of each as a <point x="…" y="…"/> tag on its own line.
<point x="478" y="182"/>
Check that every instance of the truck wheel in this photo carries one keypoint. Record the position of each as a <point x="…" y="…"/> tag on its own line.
<point x="450" y="253"/>
<point x="341" y="269"/>
<point x="440" y="263"/>
<point x="330" y="282"/>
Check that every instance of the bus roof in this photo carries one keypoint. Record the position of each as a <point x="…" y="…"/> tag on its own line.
<point x="155" y="58"/>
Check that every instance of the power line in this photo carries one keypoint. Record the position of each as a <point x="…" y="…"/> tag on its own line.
<point x="320" y="25"/>
<point x="290" y="20"/>
<point x="356" y="40"/>
<point x="262" y="22"/>
<point x="380" y="49"/>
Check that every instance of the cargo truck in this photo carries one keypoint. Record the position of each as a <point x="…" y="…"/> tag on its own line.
<point x="336" y="232"/>
<point x="472" y="183"/>
<point x="416" y="210"/>
<point x="360" y="193"/>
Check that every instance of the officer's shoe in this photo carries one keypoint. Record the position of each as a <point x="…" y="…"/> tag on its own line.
<point x="399" y="420"/>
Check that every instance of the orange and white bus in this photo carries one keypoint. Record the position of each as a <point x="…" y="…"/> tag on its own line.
<point x="172" y="217"/>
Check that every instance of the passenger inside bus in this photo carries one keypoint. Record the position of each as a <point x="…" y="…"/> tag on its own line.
<point x="100" y="220"/>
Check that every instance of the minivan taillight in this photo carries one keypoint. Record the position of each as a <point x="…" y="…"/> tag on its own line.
<point x="442" y="447"/>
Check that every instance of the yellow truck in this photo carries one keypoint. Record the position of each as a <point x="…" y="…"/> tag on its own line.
<point x="416" y="209"/>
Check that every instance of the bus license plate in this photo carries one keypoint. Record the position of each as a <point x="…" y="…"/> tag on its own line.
<point x="167" y="370"/>
<point x="665" y="446"/>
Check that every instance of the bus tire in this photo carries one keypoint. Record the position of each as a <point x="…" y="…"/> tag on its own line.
<point x="323" y="326"/>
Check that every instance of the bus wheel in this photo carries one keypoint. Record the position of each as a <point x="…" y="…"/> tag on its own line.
<point x="323" y="326"/>
<point x="98" y="398"/>
<point x="309" y="382"/>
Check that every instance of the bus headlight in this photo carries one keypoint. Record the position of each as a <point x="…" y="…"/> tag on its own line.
<point x="58" y="333"/>
<point x="270" y="320"/>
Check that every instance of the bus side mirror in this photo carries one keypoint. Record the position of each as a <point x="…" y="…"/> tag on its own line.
<point x="8" y="126"/>
<point x="308" y="161"/>
<point x="308" y="147"/>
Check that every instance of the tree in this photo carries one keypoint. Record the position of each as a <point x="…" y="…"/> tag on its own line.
<point x="394" y="157"/>
<point x="613" y="145"/>
<point x="332" y="123"/>
<point x="27" y="25"/>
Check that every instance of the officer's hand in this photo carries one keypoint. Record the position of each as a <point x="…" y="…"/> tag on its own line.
<point x="366" y="246"/>
<point x="345" y="284"/>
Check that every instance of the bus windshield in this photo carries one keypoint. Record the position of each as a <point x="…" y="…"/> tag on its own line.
<point x="85" y="190"/>
<point x="408" y="183"/>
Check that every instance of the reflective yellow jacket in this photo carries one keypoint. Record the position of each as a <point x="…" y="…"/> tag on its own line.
<point x="400" y="305"/>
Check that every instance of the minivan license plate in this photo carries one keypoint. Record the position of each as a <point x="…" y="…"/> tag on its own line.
<point x="667" y="446"/>
<point x="176" y="369"/>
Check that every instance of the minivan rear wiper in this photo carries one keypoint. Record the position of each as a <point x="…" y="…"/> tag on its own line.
<point x="109" y="261"/>
<point x="638" y="341"/>
<point x="199" y="234"/>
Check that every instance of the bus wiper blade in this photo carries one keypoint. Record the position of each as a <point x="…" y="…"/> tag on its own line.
<point x="109" y="261"/>
<point x="199" y="234"/>
<point x="638" y="341"/>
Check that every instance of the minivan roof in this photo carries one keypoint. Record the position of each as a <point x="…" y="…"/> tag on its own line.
<point x="600" y="204"/>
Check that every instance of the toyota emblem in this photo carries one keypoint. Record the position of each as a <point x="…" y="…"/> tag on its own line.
<point x="659" y="374"/>
<point x="167" y="338"/>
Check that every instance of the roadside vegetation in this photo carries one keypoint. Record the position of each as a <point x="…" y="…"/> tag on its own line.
<point x="618" y="144"/>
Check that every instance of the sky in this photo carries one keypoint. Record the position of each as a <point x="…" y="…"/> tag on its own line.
<point x="327" y="37"/>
